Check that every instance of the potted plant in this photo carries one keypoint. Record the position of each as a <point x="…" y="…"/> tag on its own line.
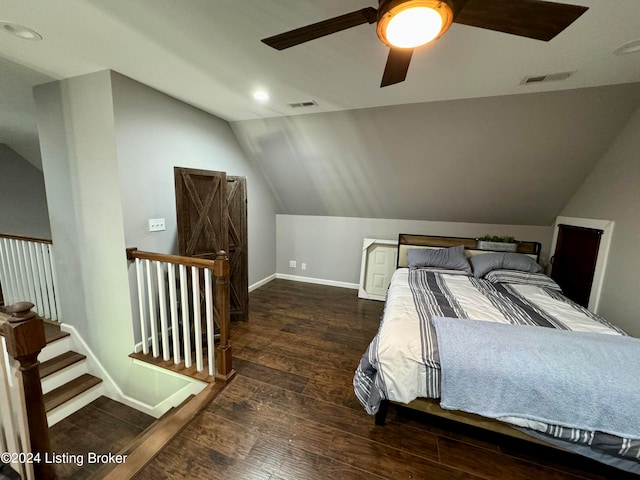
<point x="504" y="243"/>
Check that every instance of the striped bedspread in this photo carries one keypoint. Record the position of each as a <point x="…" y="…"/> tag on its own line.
<point x="402" y="362"/>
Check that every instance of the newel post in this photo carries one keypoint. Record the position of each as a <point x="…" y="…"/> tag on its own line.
<point x="24" y="335"/>
<point x="224" y="368"/>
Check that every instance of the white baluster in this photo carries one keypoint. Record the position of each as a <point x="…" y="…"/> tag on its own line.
<point x="52" y="281"/>
<point x="210" y="327"/>
<point x="37" y="287"/>
<point x="162" y="304"/>
<point x="25" y="272"/>
<point x="42" y="283"/>
<point x="141" y="306"/>
<point x="197" y="320"/>
<point x="186" y="331"/>
<point x="15" y="272"/>
<point x="153" y="317"/>
<point x="11" y="431"/>
<point x="5" y="273"/>
<point x="173" y="309"/>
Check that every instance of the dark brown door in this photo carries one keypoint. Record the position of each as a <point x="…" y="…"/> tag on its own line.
<point x="201" y="209"/>
<point x="238" y="257"/>
<point x="574" y="261"/>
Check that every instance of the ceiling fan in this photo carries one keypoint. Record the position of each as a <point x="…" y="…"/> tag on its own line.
<point x="404" y="25"/>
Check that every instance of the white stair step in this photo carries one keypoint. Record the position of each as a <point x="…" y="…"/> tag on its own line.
<point x="54" y="415"/>
<point x="53" y="349"/>
<point x="57" y="379"/>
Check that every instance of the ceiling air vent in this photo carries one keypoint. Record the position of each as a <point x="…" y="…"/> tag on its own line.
<point x="551" y="77"/>
<point x="309" y="103"/>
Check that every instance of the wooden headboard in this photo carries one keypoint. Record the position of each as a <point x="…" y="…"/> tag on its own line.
<point x="407" y="241"/>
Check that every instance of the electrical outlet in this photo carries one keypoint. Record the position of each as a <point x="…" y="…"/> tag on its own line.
<point x="156" y="224"/>
<point x="303" y="266"/>
<point x="292" y="264"/>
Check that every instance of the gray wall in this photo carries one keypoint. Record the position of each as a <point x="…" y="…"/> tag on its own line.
<point x="612" y="192"/>
<point x="156" y="132"/>
<point x="23" y="202"/>
<point x="500" y="160"/>
<point x="109" y="145"/>
<point x="78" y="139"/>
<point x="332" y="246"/>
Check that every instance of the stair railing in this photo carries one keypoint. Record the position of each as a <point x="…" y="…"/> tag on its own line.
<point x="27" y="273"/>
<point x="183" y="308"/>
<point x="24" y="433"/>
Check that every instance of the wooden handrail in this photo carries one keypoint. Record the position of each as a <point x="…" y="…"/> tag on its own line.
<point x="133" y="253"/>
<point x="24" y="336"/>
<point x="26" y="239"/>
<point x="221" y="270"/>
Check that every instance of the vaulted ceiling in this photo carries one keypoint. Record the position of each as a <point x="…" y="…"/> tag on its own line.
<point x="440" y="123"/>
<point x="514" y="159"/>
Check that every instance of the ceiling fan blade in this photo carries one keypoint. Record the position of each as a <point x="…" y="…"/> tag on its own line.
<point x="395" y="71"/>
<point x="321" y="29"/>
<point x="536" y="19"/>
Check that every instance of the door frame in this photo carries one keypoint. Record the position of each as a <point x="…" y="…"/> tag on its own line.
<point x="603" y="251"/>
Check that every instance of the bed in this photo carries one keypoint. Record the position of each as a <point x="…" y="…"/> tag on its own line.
<point x="486" y="338"/>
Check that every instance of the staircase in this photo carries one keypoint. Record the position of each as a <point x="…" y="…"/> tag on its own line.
<point x="67" y="384"/>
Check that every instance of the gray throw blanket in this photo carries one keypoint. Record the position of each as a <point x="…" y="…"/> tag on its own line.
<point x="574" y="379"/>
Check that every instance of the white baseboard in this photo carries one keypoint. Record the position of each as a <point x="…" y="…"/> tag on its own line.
<point x="319" y="281"/>
<point x="297" y="278"/>
<point x="111" y="389"/>
<point x="262" y="282"/>
<point x="192" y="388"/>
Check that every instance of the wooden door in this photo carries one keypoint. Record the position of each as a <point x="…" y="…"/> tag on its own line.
<point x="238" y="254"/>
<point x="201" y="209"/>
<point x="574" y="261"/>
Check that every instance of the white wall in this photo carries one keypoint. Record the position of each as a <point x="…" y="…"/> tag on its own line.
<point x="77" y="138"/>
<point x="332" y="246"/>
<point x="23" y="202"/>
<point x="154" y="134"/>
<point x="612" y="192"/>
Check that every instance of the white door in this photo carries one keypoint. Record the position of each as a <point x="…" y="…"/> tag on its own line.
<point x="378" y="264"/>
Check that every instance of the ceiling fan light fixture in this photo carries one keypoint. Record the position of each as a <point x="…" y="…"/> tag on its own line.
<point x="412" y="23"/>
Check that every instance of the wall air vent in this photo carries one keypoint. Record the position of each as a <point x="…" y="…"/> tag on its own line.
<point x="309" y="103"/>
<point x="551" y="77"/>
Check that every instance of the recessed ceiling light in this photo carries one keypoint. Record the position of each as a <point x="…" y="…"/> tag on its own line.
<point x="20" y="31"/>
<point x="261" y="96"/>
<point x="627" y="48"/>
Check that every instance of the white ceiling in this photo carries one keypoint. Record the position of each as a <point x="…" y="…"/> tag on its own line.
<point x="208" y="53"/>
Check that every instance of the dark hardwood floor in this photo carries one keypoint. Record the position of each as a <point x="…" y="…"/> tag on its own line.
<point x="290" y="413"/>
<point x="102" y="427"/>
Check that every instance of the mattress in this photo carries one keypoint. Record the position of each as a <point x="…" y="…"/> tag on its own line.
<point x="402" y="362"/>
<point x="407" y="360"/>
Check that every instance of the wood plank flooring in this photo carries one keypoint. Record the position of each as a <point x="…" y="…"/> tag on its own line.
<point x="102" y="427"/>
<point x="290" y="413"/>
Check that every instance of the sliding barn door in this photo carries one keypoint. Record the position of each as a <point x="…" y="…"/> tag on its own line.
<point x="238" y="255"/>
<point x="201" y="209"/>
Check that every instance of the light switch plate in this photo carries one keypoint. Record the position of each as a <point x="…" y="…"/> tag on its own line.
<point x="156" y="224"/>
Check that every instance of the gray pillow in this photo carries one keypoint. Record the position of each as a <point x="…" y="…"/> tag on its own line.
<point x="486" y="262"/>
<point x="446" y="258"/>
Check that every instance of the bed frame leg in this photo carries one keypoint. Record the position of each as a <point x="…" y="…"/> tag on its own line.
<point x="381" y="416"/>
